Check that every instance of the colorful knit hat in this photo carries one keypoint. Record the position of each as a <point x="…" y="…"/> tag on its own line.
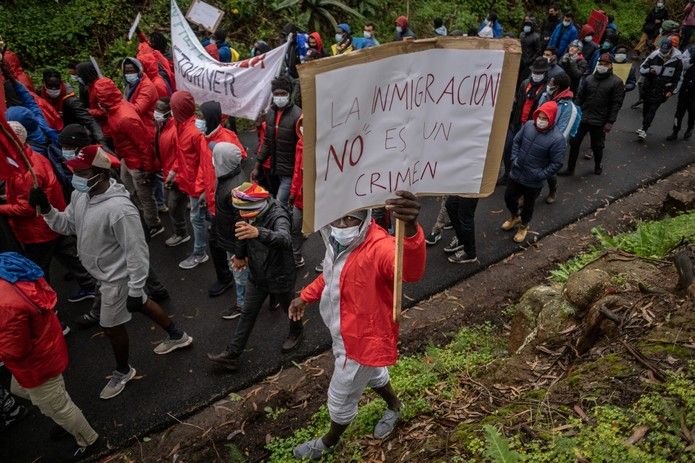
<point x="250" y="199"/>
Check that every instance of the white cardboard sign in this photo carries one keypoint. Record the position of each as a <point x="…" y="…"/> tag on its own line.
<point x="242" y="88"/>
<point x="205" y="15"/>
<point x="419" y="121"/>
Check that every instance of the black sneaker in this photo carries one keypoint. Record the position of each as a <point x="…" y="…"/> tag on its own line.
<point x="231" y="313"/>
<point x="299" y="263"/>
<point x="448" y="226"/>
<point x="462" y="258"/>
<point x="156" y="230"/>
<point x="319" y="268"/>
<point x="17" y="414"/>
<point x="87" y="320"/>
<point x="227" y="360"/>
<point x="81" y="295"/>
<point x="453" y="247"/>
<point x="218" y="288"/>
<point x="433" y="238"/>
<point x="292" y="342"/>
<point x="598" y="170"/>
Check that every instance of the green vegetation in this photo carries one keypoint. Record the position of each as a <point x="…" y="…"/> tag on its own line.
<point x="651" y="240"/>
<point x="436" y="371"/>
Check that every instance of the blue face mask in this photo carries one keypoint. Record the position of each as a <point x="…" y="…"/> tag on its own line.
<point x="69" y="154"/>
<point x="81" y="184"/>
<point x="201" y="125"/>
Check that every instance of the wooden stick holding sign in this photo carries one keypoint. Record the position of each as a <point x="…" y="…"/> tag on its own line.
<point x="398" y="271"/>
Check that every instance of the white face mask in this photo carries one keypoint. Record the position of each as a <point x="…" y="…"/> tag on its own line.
<point x="52" y="92"/>
<point x="281" y="100"/>
<point x="589" y="38"/>
<point x="602" y="69"/>
<point x="74" y="78"/>
<point x="367" y="35"/>
<point x="161" y="117"/>
<point x="131" y="78"/>
<point x="201" y="125"/>
<point x="551" y="89"/>
<point x="345" y="236"/>
<point x="542" y="123"/>
<point x="338" y="38"/>
<point x="69" y="154"/>
<point x="566" y="23"/>
<point x="399" y="29"/>
<point x="537" y="77"/>
<point x="620" y="57"/>
<point x="527" y="29"/>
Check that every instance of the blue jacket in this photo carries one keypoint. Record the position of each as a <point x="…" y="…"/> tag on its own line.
<point x="569" y="115"/>
<point x="536" y="156"/>
<point x="562" y="37"/>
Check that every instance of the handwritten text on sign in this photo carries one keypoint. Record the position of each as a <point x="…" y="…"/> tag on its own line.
<point x="419" y="122"/>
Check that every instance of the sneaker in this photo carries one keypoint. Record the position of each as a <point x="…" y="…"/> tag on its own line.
<point x="551" y="198"/>
<point x="386" y="424"/>
<point x="66" y="328"/>
<point x="169" y="345"/>
<point x="193" y="261"/>
<point x="87" y="320"/>
<point x="448" y="226"/>
<point x="231" y="313"/>
<point x="673" y="136"/>
<point x="227" y="360"/>
<point x="292" y="341"/>
<point x="433" y="238"/>
<point x="511" y="223"/>
<point x="77" y="453"/>
<point x="688" y="133"/>
<point x="156" y="230"/>
<point x="319" y="268"/>
<point x="81" y="295"/>
<point x="299" y="263"/>
<point x="462" y="258"/>
<point x="520" y="235"/>
<point x="641" y="134"/>
<point x="175" y="240"/>
<point x="636" y="105"/>
<point x="313" y="450"/>
<point x="598" y="170"/>
<point x="116" y="384"/>
<point x="162" y="208"/>
<point x="217" y="288"/>
<point x="453" y="246"/>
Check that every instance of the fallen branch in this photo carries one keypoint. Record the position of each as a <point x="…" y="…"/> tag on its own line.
<point x="643" y="360"/>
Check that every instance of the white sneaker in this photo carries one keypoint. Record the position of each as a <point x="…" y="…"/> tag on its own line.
<point x="169" y="344"/>
<point x="641" y="134"/>
<point x="116" y="384"/>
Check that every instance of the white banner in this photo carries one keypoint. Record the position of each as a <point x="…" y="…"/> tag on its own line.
<point x="419" y="121"/>
<point x="242" y="88"/>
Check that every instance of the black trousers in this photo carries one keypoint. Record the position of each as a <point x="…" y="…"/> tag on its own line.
<point x="65" y="251"/>
<point x="516" y="190"/>
<point x="219" y="255"/>
<point x="649" y="109"/>
<point x="462" y="215"/>
<point x="598" y="141"/>
<point x="255" y="297"/>
<point x="686" y="103"/>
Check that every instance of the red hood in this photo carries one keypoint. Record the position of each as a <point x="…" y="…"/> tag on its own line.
<point x="402" y="21"/>
<point x="566" y="93"/>
<point x="586" y="30"/>
<point x="13" y="62"/>
<point x="319" y="42"/>
<point x="149" y="65"/>
<point x="550" y="110"/>
<point x="182" y="106"/>
<point x="107" y="93"/>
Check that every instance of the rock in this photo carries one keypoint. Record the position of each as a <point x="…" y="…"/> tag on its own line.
<point x="539" y="317"/>
<point x="585" y="287"/>
<point x="679" y="201"/>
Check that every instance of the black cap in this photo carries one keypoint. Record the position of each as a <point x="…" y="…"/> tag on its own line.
<point x="75" y="135"/>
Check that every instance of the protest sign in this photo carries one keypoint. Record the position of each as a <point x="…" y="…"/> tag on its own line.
<point x="242" y="88"/>
<point x="205" y="15"/>
<point x="427" y="116"/>
<point x="599" y="21"/>
<point x="134" y="26"/>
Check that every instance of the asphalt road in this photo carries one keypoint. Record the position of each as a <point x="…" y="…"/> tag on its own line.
<point x="181" y="382"/>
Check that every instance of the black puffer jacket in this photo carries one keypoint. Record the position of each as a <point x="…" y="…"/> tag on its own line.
<point x="271" y="262"/>
<point x="226" y="215"/>
<point x="600" y="97"/>
<point x="664" y="80"/>
<point x="530" y="48"/>
<point x="281" y="151"/>
<point x="74" y="112"/>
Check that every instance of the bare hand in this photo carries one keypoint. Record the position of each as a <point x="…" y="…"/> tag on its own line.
<point x="669" y="94"/>
<point x="296" y="310"/>
<point x="405" y="208"/>
<point x="254" y="174"/>
<point x="245" y="231"/>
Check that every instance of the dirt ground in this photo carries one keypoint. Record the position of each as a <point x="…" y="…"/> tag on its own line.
<point x="239" y="423"/>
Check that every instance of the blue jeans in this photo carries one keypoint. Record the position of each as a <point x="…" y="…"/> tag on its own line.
<point x="200" y="229"/>
<point x="159" y="190"/>
<point x="284" y="189"/>
<point x="240" y="279"/>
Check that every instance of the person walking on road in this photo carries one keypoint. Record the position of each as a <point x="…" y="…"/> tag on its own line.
<point x="600" y="98"/>
<point x="652" y="24"/>
<point x="112" y="247"/>
<point x="537" y="155"/>
<point x="355" y="295"/>
<point x="264" y="244"/>
<point x="34" y="350"/>
<point x="686" y="97"/>
<point x="662" y="72"/>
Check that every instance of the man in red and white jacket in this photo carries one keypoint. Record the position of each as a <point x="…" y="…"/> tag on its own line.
<point x="355" y="292"/>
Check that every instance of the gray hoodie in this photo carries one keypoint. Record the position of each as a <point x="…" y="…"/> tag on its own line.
<point x="110" y="239"/>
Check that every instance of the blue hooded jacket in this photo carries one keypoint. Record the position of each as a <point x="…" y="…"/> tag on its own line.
<point x="562" y="37"/>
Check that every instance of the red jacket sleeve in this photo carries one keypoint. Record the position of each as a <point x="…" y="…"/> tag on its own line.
<point x="297" y="177"/>
<point x="414" y="257"/>
<point x="312" y="293"/>
<point x="15" y="342"/>
<point x="18" y="196"/>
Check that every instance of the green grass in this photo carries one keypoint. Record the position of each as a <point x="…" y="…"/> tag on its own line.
<point x="651" y="240"/>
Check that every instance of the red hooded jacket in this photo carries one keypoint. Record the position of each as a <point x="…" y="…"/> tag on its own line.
<point x="319" y="43"/>
<point x="31" y="339"/>
<point x="166" y="146"/>
<point x="296" y="188"/>
<point x="144" y="48"/>
<point x="27" y="227"/>
<point x="192" y="146"/>
<point x="144" y="98"/>
<point x="151" y="69"/>
<point x="211" y="48"/>
<point x="130" y="136"/>
<point x="15" y="67"/>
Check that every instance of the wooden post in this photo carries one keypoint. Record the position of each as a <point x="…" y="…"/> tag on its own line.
<point x="398" y="271"/>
